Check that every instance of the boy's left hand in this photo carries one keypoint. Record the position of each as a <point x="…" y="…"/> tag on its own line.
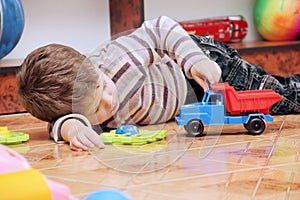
<point x="206" y="70"/>
<point x="79" y="136"/>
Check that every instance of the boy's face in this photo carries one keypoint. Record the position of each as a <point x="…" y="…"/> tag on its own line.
<point x="106" y="101"/>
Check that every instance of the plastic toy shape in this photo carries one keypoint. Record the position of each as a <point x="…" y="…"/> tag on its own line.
<point x="12" y="137"/>
<point x="16" y="171"/>
<point x="129" y="130"/>
<point x="12" y="25"/>
<point x="224" y="105"/>
<point x="107" y="195"/>
<point x="130" y="135"/>
<point x="11" y="161"/>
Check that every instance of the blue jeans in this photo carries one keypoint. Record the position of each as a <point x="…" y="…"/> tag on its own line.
<point x="246" y="76"/>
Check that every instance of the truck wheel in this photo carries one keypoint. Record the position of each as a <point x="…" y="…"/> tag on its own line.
<point x="256" y="126"/>
<point x="246" y="126"/>
<point x="194" y="127"/>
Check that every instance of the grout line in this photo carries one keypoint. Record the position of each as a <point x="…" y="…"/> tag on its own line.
<point x="215" y="174"/>
<point x="257" y="185"/>
<point x="230" y="144"/>
<point x="229" y="179"/>
<point x="111" y="186"/>
<point x="287" y="195"/>
<point x="292" y="177"/>
<point x="268" y="160"/>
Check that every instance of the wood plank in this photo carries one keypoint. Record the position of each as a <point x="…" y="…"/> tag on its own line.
<point x="9" y="102"/>
<point x="250" y="47"/>
<point x="280" y="58"/>
<point x="284" y="63"/>
<point x="125" y="15"/>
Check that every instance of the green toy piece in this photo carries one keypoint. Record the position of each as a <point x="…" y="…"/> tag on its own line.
<point x="129" y="135"/>
<point x="12" y="137"/>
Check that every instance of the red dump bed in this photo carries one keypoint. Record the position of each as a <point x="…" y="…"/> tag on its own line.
<point x="249" y="101"/>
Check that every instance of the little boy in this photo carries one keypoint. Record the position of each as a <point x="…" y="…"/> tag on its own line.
<point x="141" y="78"/>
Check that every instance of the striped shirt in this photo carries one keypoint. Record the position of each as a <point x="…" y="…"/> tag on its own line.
<point x="147" y="68"/>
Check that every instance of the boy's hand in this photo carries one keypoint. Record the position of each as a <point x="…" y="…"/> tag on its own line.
<point x="80" y="136"/>
<point x="206" y="70"/>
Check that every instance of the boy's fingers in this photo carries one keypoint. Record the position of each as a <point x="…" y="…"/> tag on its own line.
<point x="202" y="82"/>
<point x="83" y="139"/>
<point x="208" y="70"/>
<point x="76" y="149"/>
<point x="75" y="145"/>
<point x="217" y="72"/>
<point x="213" y="74"/>
<point x="95" y="139"/>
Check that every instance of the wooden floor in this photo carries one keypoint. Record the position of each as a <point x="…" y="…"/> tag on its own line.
<point x="231" y="165"/>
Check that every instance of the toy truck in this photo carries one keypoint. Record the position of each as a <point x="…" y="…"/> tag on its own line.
<point x="224" y="105"/>
<point x="226" y="29"/>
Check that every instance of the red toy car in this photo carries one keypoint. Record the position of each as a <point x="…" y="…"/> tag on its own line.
<point x="225" y="29"/>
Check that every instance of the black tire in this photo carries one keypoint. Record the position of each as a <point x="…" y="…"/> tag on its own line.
<point x="194" y="127"/>
<point x="246" y="126"/>
<point x="256" y="126"/>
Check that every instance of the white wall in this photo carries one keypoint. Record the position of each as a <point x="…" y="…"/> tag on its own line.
<point x="84" y="24"/>
<point x="195" y="9"/>
<point x="81" y="24"/>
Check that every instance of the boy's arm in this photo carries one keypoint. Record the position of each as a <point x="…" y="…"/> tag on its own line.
<point x="77" y="130"/>
<point x="168" y="36"/>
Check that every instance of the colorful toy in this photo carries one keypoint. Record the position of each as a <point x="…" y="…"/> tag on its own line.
<point x="19" y="181"/>
<point x="107" y="195"/>
<point x="225" y="29"/>
<point x="12" y="137"/>
<point x="224" y="105"/>
<point x="128" y="130"/>
<point x="277" y="19"/>
<point x="129" y="134"/>
<point x="12" y="25"/>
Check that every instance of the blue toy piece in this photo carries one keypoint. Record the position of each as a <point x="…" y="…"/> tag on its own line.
<point x="107" y="195"/>
<point x="12" y="25"/>
<point x="129" y="130"/>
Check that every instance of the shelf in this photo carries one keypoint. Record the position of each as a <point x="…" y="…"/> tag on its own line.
<point x="276" y="57"/>
<point x="9" y="65"/>
<point x="257" y="46"/>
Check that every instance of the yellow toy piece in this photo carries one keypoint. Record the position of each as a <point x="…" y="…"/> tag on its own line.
<point x="26" y="184"/>
<point x="12" y="137"/>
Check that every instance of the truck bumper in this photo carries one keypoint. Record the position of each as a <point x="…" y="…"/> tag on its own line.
<point x="179" y="121"/>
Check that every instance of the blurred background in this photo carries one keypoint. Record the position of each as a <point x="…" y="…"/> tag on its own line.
<point x="85" y="24"/>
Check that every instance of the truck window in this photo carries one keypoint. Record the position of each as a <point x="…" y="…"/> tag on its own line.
<point x="215" y="99"/>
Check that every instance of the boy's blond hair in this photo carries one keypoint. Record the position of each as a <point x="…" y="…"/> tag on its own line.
<point x="46" y="81"/>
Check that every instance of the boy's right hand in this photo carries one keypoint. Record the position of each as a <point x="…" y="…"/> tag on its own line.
<point x="206" y="70"/>
<point x="79" y="136"/>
